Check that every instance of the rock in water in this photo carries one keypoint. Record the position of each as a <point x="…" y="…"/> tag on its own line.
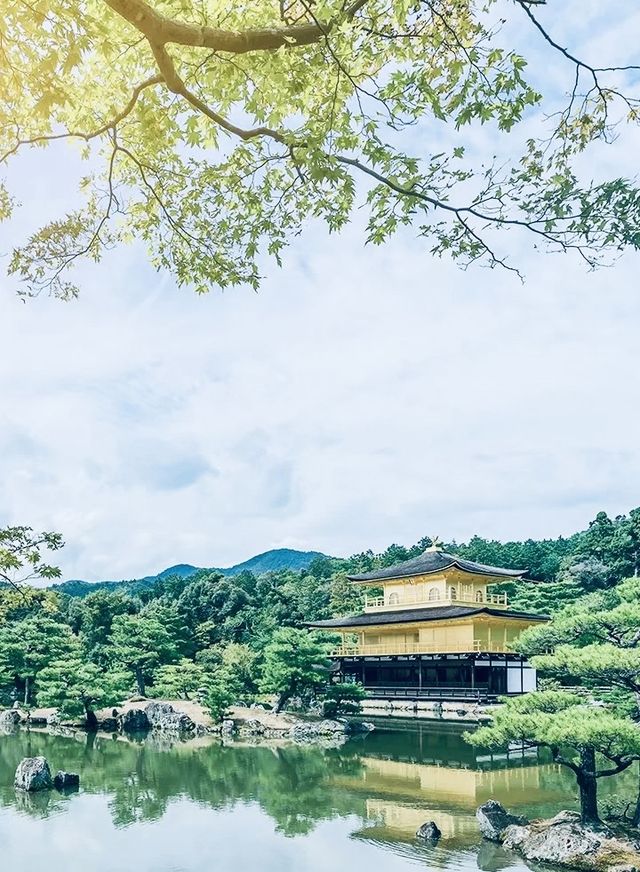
<point x="66" y="780"/>
<point x="566" y="841"/>
<point x="33" y="773"/>
<point x="429" y="831"/>
<point x="563" y="840"/>
<point x="493" y="819"/>
<point x="135" y="721"/>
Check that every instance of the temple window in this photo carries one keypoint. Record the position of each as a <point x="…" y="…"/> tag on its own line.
<point x="394" y="599"/>
<point x="453" y="593"/>
<point x="479" y="596"/>
<point x="434" y="594"/>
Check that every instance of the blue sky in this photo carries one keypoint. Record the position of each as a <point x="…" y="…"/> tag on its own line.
<point x="364" y="396"/>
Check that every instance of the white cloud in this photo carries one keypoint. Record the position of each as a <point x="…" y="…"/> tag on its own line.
<point x="364" y="396"/>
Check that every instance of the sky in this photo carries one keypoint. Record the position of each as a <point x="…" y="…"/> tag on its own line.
<point x="364" y="396"/>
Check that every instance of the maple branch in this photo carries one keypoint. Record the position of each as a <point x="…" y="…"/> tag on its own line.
<point x="77" y="134"/>
<point x="177" y="86"/>
<point x="160" y="30"/>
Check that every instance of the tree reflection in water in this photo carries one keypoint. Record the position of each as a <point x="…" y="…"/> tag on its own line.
<point x="388" y="782"/>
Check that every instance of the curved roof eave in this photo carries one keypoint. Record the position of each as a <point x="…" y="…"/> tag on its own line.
<point x="467" y="566"/>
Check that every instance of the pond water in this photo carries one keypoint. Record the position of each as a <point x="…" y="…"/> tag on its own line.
<point x="200" y="806"/>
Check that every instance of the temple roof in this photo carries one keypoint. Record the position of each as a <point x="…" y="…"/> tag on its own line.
<point x="432" y="613"/>
<point x="434" y="560"/>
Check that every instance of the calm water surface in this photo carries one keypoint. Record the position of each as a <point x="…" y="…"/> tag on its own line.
<point x="203" y="806"/>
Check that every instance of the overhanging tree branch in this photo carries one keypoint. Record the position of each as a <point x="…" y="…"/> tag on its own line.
<point x="161" y="30"/>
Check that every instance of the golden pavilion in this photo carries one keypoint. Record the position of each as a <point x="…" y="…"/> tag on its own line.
<point x="432" y="628"/>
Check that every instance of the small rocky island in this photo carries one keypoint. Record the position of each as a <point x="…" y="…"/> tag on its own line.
<point x="562" y="840"/>
<point x="34" y="774"/>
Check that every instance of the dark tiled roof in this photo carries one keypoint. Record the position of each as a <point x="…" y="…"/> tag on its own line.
<point x="435" y="561"/>
<point x="432" y="613"/>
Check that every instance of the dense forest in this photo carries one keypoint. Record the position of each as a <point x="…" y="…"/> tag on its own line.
<point x="170" y="638"/>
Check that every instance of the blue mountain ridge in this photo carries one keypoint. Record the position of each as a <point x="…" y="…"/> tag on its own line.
<point x="268" y="561"/>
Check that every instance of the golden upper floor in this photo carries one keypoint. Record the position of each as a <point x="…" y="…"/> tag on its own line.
<point x="434" y="603"/>
<point x="435" y="578"/>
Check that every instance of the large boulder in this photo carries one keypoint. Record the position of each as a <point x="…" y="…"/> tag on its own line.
<point x="429" y="832"/>
<point x="252" y="727"/>
<point x="158" y="711"/>
<point x="108" y="725"/>
<point x="33" y="773"/>
<point x="493" y="819"/>
<point x="163" y="716"/>
<point x="9" y="719"/>
<point x="135" y="721"/>
<point x="566" y="841"/>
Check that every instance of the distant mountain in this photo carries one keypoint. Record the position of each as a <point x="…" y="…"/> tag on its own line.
<point x="269" y="561"/>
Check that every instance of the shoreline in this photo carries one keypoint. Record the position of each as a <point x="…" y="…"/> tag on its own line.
<point x="188" y="721"/>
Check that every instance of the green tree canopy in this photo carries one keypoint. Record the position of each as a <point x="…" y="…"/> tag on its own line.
<point x="594" y="643"/>
<point x="92" y="617"/>
<point x="295" y="662"/>
<point x="179" y="680"/>
<point x="140" y="644"/>
<point x="574" y="731"/>
<point x="214" y="134"/>
<point x="77" y="688"/>
<point x="27" y="646"/>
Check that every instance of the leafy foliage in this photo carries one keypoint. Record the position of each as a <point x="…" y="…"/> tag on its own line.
<point x="21" y="555"/>
<point x="179" y="680"/>
<point x="28" y="646"/>
<point x="295" y="663"/>
<point x="77" y="688"/>
<point x="342" y="698"/>
<point x="140" y="644"/>
<point x="214" y="137"/>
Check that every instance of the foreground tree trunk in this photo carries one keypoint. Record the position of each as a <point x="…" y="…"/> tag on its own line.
<point x="635" y="820"/>
<point x="26" y="690"/>
<point x="91" y="719"/>
<point x="283" y="699"/>
<point x="140" y="681"/>
<point x="588" y="784"/>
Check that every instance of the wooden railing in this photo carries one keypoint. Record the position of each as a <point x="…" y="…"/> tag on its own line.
<point x="358" y="650"/>
<point x="437" y="693"/>
<point x="400" y="601"/>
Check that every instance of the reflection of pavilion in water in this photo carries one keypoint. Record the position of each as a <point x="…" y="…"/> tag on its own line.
<point x="442" y="778"/>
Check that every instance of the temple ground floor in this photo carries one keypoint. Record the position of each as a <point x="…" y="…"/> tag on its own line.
<point x="477" y="676"/>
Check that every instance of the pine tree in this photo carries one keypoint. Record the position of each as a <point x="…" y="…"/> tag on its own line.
<point x="577" y="733"/>
<point x="295" y="662"/>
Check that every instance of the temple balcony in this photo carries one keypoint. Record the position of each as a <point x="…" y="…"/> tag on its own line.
<point x="348" y="649"/>
<point x="409" y="599"/>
